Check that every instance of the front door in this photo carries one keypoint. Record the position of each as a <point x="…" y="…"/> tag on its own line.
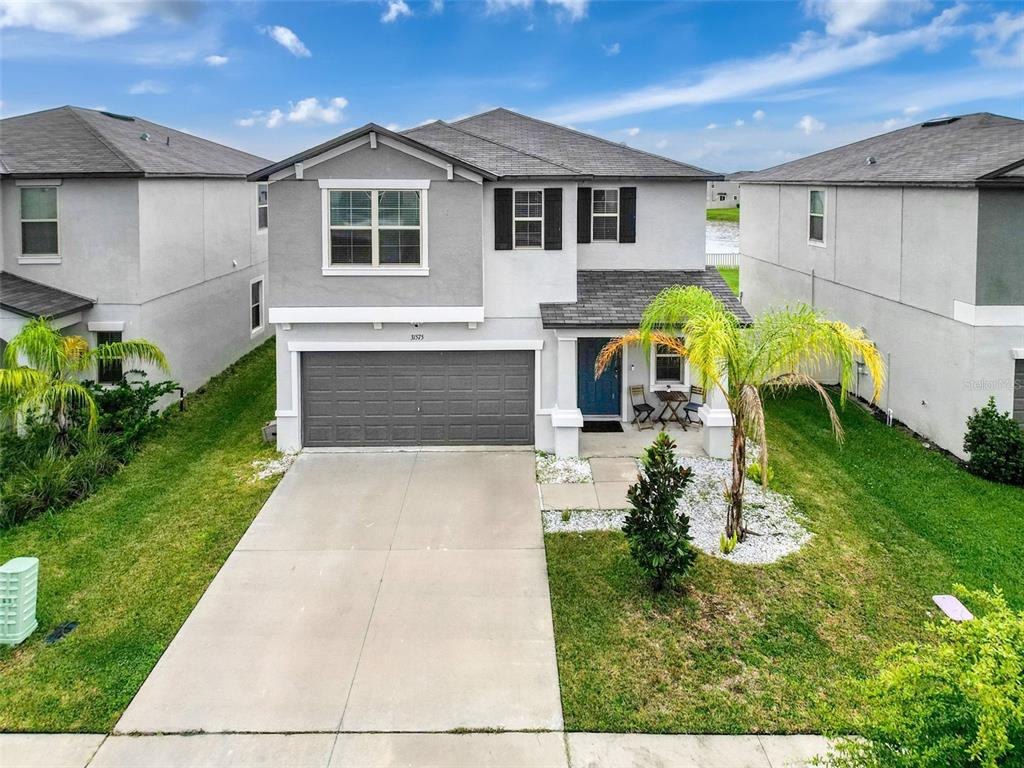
<point x="597" y="397"/>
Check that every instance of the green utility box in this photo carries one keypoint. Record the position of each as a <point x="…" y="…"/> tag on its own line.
<point x="19" y="582"/>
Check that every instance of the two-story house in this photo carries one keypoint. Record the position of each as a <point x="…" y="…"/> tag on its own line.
<point x="452" y="284"/>
<point x="118" y="228"/>
<point x="918" y="237"/>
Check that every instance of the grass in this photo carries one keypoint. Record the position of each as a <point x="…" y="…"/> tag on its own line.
<point x="766" y="649"/>
<point x="130" y="562"/>
<point x="732" y="277"/>
<point x="723" y="214"/>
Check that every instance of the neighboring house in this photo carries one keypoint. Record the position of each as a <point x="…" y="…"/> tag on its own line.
<point x="118" y="228"/>
<point x="453" y="284"/>
<point x="725" y="193"/>
<point x="918" y="237"/>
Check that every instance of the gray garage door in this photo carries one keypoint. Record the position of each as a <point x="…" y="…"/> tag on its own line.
<point x="417" y="398"/>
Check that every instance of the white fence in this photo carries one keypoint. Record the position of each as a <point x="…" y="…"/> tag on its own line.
<point x="722" y="259"/>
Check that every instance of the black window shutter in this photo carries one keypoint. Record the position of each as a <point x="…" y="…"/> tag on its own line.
<point x="627" y="214"/>
<point x="553" y="219"/>
<point x="503" y="219"/>
<point x="583" y="214"/>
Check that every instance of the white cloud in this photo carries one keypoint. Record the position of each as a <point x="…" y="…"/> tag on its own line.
<point x="849" y="17"/>
<point x="246" y="122"/>
<point x="144" y="87"/>
<point x="809" y="59"/>
<point x="710" y="126"/>
<point x="632" y="131"/>
<point x="1002" y="41"/>
<point x="274" y="118"/>
<point x="90" y="18"/>
<point x="437" y="6"/>
<point x="396" y="9"/>
<point x="894" y="122"/>
<point x="810" y="124"/>
<point x="312" y="111"/>
<point x="759" y="115"/>
<point x="661" y="143"/>
<point x="911" y="110"/>
<point x="216" y="61"/>
<point x="392" y="126"/>
<point x="612" y="50"/>
<point x="289" y="40"/>
<point x="570" y="10"/>
<point x="501" y="6"/>
<point x="740" y="123"/>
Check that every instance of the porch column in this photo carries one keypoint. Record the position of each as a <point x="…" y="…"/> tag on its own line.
<point x="566" y="418"/>
<point x="718" y="422"/>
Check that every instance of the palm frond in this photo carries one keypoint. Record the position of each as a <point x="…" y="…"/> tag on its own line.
<point x="787" y="381"/>
<point x="40" y="345"/>
<point x="614" y="347"/>
<point x="75" y="350"/>
<point x="60" y="395"/>
<point x="134" y="350"/>
<point x="17" y="382"/>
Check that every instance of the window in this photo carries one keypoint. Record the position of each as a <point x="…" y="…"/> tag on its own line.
<point x="721" y="197"/>
<point x="669" y="366"/>
<point x="528" y="218"/>
<point x="262" y="205"/>
<point x="108" y="371"/>
<point x="375" y="228"/>
<point x="816" y="216"/>
<point x="39" y="221"/>
<point x="605" y="221"/>
<point x="256" y="305"/>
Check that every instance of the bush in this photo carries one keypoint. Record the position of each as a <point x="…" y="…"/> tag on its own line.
<point x="996" y="445"/>
<point x="658" y="535"/>
<point x="957" y="702"/>
<point x="126" y="410"/>
<point x="754" y="473"/>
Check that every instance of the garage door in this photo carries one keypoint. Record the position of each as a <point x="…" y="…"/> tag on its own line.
<point x="417" y="398"/>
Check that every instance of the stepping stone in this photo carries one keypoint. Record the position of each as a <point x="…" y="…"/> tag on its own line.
<point x="568" y="496"/>
<point x="613" y="470"/>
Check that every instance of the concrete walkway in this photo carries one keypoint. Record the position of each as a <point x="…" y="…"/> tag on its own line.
<point x="373" y="592"/>
<point x="416" y="750"/>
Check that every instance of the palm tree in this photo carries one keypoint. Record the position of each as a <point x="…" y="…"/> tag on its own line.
<point x="779" y="351"/>
<point x="49" y="384"/>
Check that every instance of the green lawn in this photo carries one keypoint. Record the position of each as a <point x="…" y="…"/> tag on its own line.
<point x="732" y="277"/>
<point x="765" y="649"/>
<point x="130" y="562"/>
<point x="723" y="214"/>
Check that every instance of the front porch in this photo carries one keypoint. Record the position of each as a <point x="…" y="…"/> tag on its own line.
<point x="631" y="442"/>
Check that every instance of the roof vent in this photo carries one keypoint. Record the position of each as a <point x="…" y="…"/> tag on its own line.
<point x="144" y="137"/>
<point x="116" y="116"/>
<point x="871" y="160"/>
<point x="939" y="121"/>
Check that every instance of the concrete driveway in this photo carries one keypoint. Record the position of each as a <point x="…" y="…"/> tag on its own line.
<point x="373" y="592"/>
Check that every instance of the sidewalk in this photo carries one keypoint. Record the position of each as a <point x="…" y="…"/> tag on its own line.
<point x="419" y="750"/>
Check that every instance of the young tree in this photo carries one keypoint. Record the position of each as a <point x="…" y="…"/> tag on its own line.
<point x="658" y="535"/>
<point x="780" y="350"/>
<point x="49" y="385"/>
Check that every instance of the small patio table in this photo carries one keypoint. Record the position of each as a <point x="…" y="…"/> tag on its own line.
<point x="673" y="400"/>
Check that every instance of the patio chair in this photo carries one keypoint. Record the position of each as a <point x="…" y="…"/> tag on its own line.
<point x="642" y="410"/>
<point x="694" y="403"/>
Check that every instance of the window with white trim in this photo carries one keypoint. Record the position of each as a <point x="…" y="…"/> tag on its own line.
<point x="256" y="305"/>
<point x="668" y="366"/>
<point x="816" y="216"/>
<point x="605" y="219"/>
<point x="39" y="221"/>
<point x="262" y="205"/>
<point x="375" y="228"/>
<point x="109" y="371"/>
<point x="528" y="218"/>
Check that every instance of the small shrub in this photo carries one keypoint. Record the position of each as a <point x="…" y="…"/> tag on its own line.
<point x="956" y="702"/>
<point x="728" y="543"/>
<point x="658" y="535"/>
<point x="566" y="515"/>
<point x="755" y="473"/>
<point x="995" y="443"/>
<point x="127" y="410"/>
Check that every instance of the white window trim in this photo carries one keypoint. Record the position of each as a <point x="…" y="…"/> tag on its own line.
<point x="262" y="230"/>
<point x="665" y="386"/>
<point x="515" y="218"/>
<point x="39" y="258"/>
<point x="594" y="215"/>
<point x="824" y="217"/>
<point x="263" y="306"/>
<point x="96" y="338"/>
<point x="373" y="186"/>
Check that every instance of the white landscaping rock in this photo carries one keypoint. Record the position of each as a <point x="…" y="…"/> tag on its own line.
<point x="265" y="468"/>
<point x="569" y="469"/>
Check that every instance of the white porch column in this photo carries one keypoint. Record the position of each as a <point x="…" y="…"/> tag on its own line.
<point x="566" y="418"/>
<point x="718" y="422"/>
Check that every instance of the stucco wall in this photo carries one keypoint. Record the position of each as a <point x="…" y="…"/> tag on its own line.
<point x="1000" y="247"/>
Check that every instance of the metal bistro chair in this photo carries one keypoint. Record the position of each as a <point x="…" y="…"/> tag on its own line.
<point x="694" y="403"/>
<point x="642" y="410"/>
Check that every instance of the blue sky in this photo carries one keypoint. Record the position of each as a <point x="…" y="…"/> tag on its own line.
<point x="724" y="85"/>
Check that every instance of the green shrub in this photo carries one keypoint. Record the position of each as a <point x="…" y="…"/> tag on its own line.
<point x="754" y="473"/>
<point x="127" y="410"/>
<point x="956" y="702"/>
<point x="996" y="445"/>
<point x="658" y="535"/>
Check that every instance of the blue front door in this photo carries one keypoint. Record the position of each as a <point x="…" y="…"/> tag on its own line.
<point x="600" y="397"/>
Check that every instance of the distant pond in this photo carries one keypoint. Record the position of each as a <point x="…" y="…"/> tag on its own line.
<point x="722" y="237"/>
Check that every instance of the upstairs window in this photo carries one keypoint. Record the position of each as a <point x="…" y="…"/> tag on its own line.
<point x="256" y="305"/>
<point x="108" y="371"/>
<point x="816" y="216"/>
<point x="375" y="228"/>
<point x="39" y="221"/>
<point x="528" y="218"/>
<point x="605" y="221"/>
<point x="262" y="205"/>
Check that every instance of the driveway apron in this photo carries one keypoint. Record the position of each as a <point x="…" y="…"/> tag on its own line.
<point x="374" y="592"/>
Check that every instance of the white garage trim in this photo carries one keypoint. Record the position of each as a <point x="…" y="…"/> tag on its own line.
<point x="407" y="346"/>
<point x="376" y="315"/>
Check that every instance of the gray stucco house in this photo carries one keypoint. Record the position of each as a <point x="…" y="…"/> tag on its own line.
<point x="918" y="237"/>
<point x="452" y="284"/>
<point x="116" y="227"/>
<point x="726" y="192"/>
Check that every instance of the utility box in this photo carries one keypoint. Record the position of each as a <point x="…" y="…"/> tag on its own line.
<point x="19" y="584"/>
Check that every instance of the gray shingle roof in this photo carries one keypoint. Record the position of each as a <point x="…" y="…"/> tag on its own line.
<point x="616" y="298"/>
<point x="71" y="141"/>
<point x="510" y="144"/>
<point x="957" y="152"/>
<point x="32" y="299"/>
